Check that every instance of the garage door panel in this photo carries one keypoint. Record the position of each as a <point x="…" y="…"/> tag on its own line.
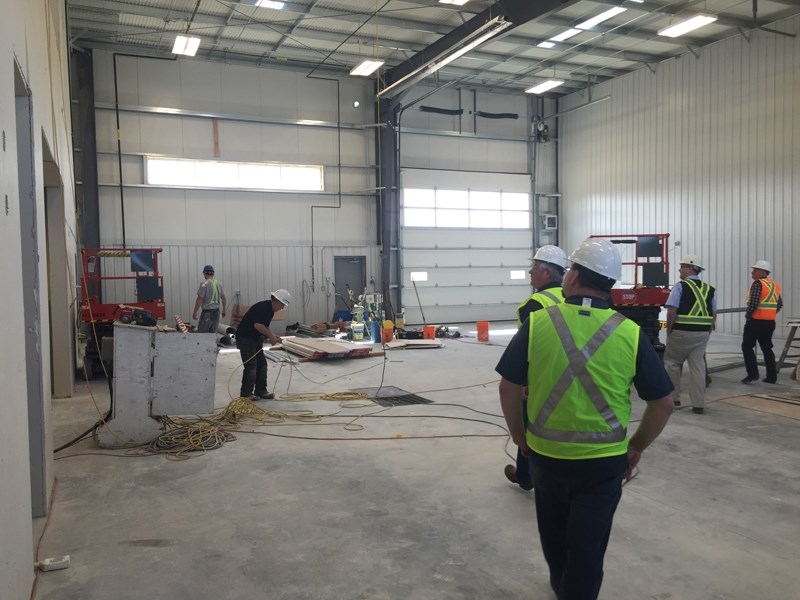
<point x="442" y="315"/>
<point x="461" y="295"/>
<point x="465" y="277"/>
<point x="467" y="238"/>
<point x="513" y="259"/>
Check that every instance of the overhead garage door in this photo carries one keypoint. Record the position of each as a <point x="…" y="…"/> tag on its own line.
<point x="465" y="239"/>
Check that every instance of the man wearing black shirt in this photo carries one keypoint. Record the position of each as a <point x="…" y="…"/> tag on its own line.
<point x="250" y="335"/>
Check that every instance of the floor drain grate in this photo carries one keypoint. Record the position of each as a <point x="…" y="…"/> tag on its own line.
<point x="389" y="395"/>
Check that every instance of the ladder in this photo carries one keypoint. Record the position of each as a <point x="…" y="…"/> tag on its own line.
<point x="792" y="344"/>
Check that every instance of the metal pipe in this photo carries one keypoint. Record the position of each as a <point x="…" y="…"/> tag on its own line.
<point x="762" y="28"/>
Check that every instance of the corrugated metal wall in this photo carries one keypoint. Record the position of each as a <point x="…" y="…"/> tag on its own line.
<point x="706" y="149"/>
<point x="257" y="241"/>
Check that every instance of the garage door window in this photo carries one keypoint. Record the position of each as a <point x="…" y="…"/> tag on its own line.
<point x="466" y="209"/>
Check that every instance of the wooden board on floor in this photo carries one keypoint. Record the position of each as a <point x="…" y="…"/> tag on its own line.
<point x="415" y="344"/>
<point x="763" y="404"/>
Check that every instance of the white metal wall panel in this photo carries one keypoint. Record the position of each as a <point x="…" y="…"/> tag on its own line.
<point x="705" y="149"/>
<point x="256" y="240"/>
<point x="468" y="270"/>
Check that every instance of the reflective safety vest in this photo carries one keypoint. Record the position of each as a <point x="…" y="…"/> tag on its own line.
<point x="581" y="363"/>
<point x="698" y="312"/>
<point x="214" y="302"/>
<point x="767" y="309"/>
<point x="549" y="297"/>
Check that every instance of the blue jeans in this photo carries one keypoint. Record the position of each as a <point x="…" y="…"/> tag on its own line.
<point x="254" y="372"/>
<point x="575" y="505"/>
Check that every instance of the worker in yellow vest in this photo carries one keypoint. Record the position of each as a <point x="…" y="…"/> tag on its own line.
<point x="547" y="270"/>
<point x="691" y="317"/>
<point x="210" y="298"/>
<point x="763" y="304"/>
<point x="578" y="360"/>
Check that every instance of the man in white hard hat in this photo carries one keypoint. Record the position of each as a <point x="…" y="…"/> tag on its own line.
<point x="578" y="360"/>
<point x="691" y="317"/>
<point x="763" y="304"/>
<point x="250" y="334"/>
<point x="547" y="270"/>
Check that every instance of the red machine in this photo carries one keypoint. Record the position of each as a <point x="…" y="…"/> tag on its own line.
<point x="139" y="277"/>
<point x="119" y="274"/>
<point x="643" y="302"/>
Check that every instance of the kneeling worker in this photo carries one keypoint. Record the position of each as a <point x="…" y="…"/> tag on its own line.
<point x="250" y="335"/>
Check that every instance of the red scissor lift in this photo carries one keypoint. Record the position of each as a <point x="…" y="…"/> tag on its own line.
<point x="148" y="287"/>
<point x="642" y="303"/>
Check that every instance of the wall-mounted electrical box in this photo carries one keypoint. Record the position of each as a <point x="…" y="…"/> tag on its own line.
<point x="549" y="222"/>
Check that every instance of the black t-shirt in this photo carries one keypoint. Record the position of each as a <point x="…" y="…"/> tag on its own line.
<point x="260" y="312"/>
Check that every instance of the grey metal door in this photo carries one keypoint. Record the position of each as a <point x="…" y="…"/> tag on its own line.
<point x="349" y="271"/>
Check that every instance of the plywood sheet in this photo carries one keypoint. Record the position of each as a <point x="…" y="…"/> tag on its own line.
<point x="763" y="404"/>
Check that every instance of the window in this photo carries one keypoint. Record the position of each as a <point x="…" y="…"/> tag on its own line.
<point x="465" y="209"/>
<point x="180" y="172"/>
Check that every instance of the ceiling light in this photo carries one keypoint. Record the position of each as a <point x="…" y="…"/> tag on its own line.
<point x="603" y="16"/>
<point x="483" y="33"/>
<point x="270" y="4"/>
<point x="186" y="45"/>
<point x="686" y="26"/>
<point x="543" y="87"/>
<point x="545" y="44"/>
<point x="455" y="2"/>
<point x="565" y="35"/>
<point x="366" y="68"/>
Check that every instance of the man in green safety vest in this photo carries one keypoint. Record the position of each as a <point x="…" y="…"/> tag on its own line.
<point x="578" y="360"/>
<point x="210" y="297"/>
<point x="547" y="271"/>
<point x="691" y="317"/>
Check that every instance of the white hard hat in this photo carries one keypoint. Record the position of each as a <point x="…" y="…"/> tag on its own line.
<point x="284" y="296"/>
<point x="764" y="265"/>
<point x="553" y="255"/>
<point x="598" y="255"/>
<point x="693" y="261"/>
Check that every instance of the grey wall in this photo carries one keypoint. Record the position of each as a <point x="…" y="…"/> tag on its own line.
<point x="32" y="61"/>
<point x="258" y="241"/>
<point x="706" y="149"/>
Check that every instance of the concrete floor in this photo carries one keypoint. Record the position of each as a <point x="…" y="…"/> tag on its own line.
<point x="714" y="513"/>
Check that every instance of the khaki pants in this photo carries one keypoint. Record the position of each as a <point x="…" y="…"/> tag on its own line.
<point x="689" y="346"/>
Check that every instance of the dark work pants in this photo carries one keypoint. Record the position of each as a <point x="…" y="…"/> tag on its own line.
<point x="523" y="465"/>
<point x="756" y="330"/>
<point x="575" y="508"/>
<point x="254" y="373"/>
<point x="209" y="321"/>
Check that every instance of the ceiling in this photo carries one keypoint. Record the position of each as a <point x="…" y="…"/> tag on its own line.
<point x="333" y="36"/>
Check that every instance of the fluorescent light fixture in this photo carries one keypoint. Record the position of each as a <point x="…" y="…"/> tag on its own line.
<point x="366" y="68"/>
<point x="565" y="35"/>
<point x="543" y="87"/>
<point x="186" y="45"/>
<point x="485" y="32"/>
<point x="455" y="2"/>
<point x="270" y="4"/>
<point x="686" y="26"/>
<point x="546" y="44"/>
<point x="603" y="16"/>
<point x="419" y="276"/>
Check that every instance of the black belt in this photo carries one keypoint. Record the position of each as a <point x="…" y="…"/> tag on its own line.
<point x="210" y="310"/>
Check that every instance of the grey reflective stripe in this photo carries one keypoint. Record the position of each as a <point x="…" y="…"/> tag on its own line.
<point x="576" y="369"/>
<point x="552" y="297"/>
